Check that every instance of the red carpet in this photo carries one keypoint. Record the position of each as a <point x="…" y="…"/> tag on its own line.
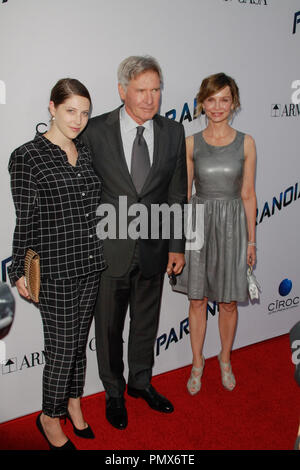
<point x="262" y="413"/>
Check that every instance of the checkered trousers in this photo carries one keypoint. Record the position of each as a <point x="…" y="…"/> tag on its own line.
<point x="66" y="307"/>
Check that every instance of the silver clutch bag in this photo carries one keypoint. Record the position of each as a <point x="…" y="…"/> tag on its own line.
<point x="253" y="285"/>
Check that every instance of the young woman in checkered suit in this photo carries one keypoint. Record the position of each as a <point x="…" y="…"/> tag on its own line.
<point x="56" y="194"/>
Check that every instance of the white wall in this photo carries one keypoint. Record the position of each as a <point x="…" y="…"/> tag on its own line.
<point x="252" y="41"/>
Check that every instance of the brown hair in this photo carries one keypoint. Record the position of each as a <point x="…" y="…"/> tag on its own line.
<point x="66" y="87"/>
<point x="212" y="85"/>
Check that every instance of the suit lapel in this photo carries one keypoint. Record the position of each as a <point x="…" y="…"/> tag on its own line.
<point x="157" y="130"/>
<point x="115" y="143"/>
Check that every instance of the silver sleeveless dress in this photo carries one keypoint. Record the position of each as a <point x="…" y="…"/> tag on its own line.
<point x="218" y="270"/>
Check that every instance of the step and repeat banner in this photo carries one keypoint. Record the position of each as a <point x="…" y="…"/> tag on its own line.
<point x="256" y="42"/>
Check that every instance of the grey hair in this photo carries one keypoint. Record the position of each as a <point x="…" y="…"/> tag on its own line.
<point x="132" y="66"/>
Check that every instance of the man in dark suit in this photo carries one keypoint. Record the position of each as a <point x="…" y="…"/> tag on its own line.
<point x="140" y="155"/>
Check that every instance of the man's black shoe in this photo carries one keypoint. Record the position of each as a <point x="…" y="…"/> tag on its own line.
<point x="153" y="398"/>
<point x="116" y="413"/>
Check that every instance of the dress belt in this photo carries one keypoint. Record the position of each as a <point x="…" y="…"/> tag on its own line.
<point x="217" y="198"/>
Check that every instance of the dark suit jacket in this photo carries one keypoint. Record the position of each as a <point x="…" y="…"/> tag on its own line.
<point x="166" y="183"/>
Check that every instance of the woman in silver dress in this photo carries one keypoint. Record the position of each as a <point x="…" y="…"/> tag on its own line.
<point x="221" y="162"/>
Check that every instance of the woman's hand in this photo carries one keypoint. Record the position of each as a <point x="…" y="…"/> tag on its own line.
<point x="22" y="289"/>
<point x="251" y="255"/>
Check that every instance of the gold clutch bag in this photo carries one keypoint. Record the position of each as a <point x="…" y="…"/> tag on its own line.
<point x="33" y="274"/>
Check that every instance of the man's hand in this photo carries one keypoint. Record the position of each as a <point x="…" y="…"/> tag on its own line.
<point x="176" y="263"/>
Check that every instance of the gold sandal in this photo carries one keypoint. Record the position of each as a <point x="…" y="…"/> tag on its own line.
<point x="194" y="382"/>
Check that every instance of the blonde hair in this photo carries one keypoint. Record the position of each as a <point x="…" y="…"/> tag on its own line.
<point x="212" y="85"/>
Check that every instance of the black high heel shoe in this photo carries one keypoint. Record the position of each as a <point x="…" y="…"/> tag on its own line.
<point x="86" y="433"/>
<point x="67" y="446"/>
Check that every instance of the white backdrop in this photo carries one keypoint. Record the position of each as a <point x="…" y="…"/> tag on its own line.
<point x="251" y="40"/>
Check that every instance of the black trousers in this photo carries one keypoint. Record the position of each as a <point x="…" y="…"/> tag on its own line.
<point x="66" y="308"/>
<point x="143" y="295"/>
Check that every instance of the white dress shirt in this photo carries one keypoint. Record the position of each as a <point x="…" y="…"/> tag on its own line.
<point x="128" y="133"/>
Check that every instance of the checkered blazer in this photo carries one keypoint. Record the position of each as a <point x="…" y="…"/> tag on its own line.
<point x="55" y="206"/>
